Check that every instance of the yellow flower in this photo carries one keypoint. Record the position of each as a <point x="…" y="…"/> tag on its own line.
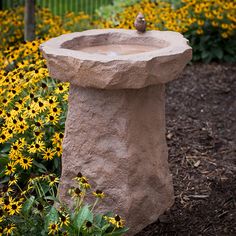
<point x="2" y="216"/>
<point x="38" y="146"/>
<point x="199" y="31"/>
<point x="9" y="229"/>
<point x="48" y="154"/>
<point x="75" y="192"/>
<point x="200" y="22"/>
<point x="224" y="35"/>
<point x="99" y="194"/>
<point x="1" y="230"/>
<point x="53" y="228"/>
<point x="38" y="134"/>
<point x="58" y="149"/>
<point x="52" y="119"/>
<point x="117" y="221"/>
<point x="13" y="179"/>
<point x="65" y="220"/>
<point x="224" y="26"/>
<point x="57" y="138"/>
<point x="10" y="168"/>
<point x="26" y="163"/>
<point x="53" y="180"/>
<point x="15" y="208"/>
<point x="7" y="202"/>
<point x="214" y="23"/>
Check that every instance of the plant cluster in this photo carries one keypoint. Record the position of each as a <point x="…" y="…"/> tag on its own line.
<point x="210" y="25"/>
<point x="47" y="25"/>
<point x="32" y="105"/>
<point x="37" y="210"/>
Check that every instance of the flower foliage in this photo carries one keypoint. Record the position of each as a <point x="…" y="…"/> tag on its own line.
<point x="210" y="25"/>
<point x="32" y="105"/>
<point x="34" y="205"/>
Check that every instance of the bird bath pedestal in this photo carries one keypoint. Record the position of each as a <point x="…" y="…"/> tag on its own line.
<point x="115" y="127"/>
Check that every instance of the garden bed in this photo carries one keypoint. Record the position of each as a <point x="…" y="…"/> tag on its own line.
<point x="201" y="130"/>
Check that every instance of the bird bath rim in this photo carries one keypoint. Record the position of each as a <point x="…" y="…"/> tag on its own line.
<point x="131" y="71"/>
<point x="170" y="43"/>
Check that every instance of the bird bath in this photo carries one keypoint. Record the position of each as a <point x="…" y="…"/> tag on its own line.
<point x="115" y="127"/>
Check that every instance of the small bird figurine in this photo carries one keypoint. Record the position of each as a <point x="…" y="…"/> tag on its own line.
<point x="140" y="23"/>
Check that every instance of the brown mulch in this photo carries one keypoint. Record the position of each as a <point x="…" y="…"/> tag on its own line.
<point x="201" y="136"/>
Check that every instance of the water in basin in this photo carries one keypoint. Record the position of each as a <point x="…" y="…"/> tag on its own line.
<point x="118" y="49"/>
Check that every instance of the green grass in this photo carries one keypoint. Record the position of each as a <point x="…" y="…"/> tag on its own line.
<point x="60" y="7"/>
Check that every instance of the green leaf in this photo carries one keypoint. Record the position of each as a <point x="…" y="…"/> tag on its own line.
<point x="51" y="217"/>
<point x="105" y="227"/>
<point x="83" y="215"/>
<point x="52" y="198"/>
<point x="204" y="54"/>
<point x="98" y="219"/>
<point x="40" y="166"/>
<point x="6" y="148"/>
<point x="117" y="232"/>
<point x="28" y="205"/>
<point x="218" y="52"/>
<point x="3" y="162"/>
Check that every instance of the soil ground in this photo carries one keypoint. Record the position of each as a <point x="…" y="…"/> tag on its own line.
<point x="201" y="136"/>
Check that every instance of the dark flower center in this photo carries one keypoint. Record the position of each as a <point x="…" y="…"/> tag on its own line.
<point x="10" y="131"/>
<point x="9" y="167"/>
<point x="6" y="202"/>
<point x="12" y="178"/>
<point x="44" y="85"/>
<point x="98" y="191"/>
<point x="40" y="207"/>
<point x="117" y="218"/>
<point x="88" y="224"/>
<point x="77" y="191"/>
<point x="52" y="178"/>
<point x="63" y="218"/>
<point x="79" y="175"/>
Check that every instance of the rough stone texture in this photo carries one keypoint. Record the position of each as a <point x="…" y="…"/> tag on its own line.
<point x="115" y="128"/>
<point x="117" y="139"/>
<point x="67" y="63"/>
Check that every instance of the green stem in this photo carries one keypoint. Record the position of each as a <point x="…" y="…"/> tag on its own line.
<point x="113" y="230"/>
<point x="95" y="203"/>
<point x="21" y="190"/>
<point x="38" y="190"/>
<point x="81" y="199"/>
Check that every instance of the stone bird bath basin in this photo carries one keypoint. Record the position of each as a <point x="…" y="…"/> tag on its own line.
<point x="115" y="127"/>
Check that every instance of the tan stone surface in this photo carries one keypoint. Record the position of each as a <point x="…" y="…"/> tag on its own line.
<point x="122" y="71"/>
<point x="117" y="139"/>
<point x="115" y="128"/>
